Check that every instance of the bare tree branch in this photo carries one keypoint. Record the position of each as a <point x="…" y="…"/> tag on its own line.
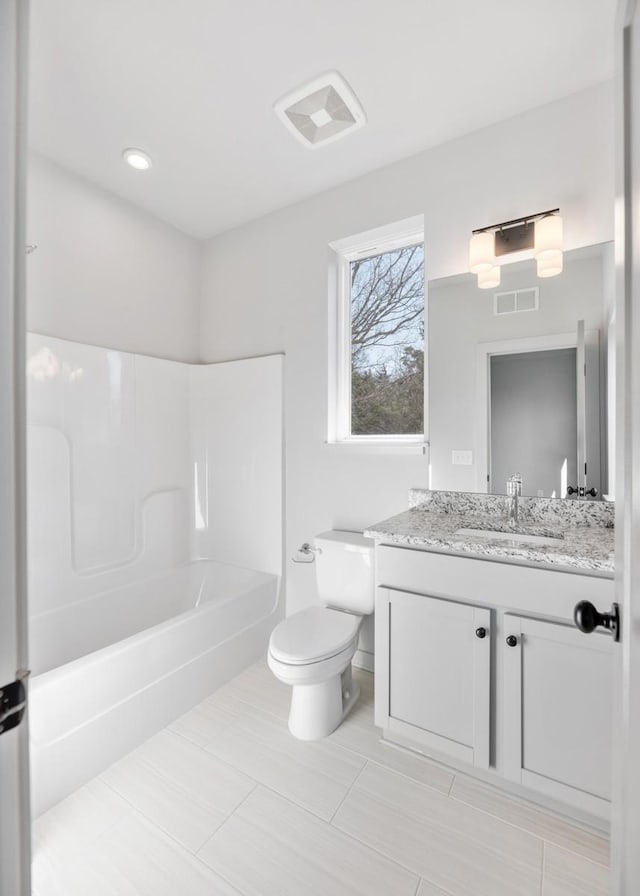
<point x="387" y="300"/>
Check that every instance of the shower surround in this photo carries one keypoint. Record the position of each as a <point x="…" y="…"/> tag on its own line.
<point x="155" y="543"/>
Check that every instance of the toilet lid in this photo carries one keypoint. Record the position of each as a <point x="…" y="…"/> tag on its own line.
<point x="312" y="635"/>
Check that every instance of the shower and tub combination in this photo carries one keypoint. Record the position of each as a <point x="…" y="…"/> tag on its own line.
<point x="155" y="544"/>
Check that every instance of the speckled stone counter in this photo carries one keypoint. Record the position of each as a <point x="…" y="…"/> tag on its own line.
<point x="582" y="531"/>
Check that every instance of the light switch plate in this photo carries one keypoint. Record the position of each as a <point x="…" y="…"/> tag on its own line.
<point x="462" y="458"/>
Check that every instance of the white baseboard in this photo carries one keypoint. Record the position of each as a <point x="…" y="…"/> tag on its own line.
<point x="363" y="659"/>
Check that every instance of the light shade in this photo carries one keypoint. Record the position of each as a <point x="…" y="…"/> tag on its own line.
<point x="550" y="265"/>
<point x="481" y="252"/>
<point x="548" y="237"/>
<point x="489" y="279"/>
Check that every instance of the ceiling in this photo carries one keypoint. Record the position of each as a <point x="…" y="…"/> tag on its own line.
<point x="193" y="82"/>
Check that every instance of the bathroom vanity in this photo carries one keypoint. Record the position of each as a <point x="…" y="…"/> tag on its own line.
<point x="478" y="661"/>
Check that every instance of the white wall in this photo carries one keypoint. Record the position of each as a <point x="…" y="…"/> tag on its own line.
<point x="265" y="284"/>
<point x="105" y="272"/>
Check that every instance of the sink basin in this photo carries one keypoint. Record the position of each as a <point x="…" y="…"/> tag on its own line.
<point x="511" y="537"/>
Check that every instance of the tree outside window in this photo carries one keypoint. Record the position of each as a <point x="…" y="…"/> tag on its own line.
<point x="387" y="343"/>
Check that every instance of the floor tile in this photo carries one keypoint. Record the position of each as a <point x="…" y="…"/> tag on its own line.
<point x="270" y="847"/>
<point x="163" y="803"/>
<point x="78" y="820"/>
<point x="450" y="844"/>
<point x="314" y="775"/>
<point x="532" y="818"/>
<point x="180" y="787"/>
<point x="131" y="859"/>
<point x="358" y="733"/>
<point x="201" y="775"/>
<point x="197" y="787"/>
<point x="427" y="889"/>
<point x="258" y="687"/>
<point x="204" y="723"/>
<point x="566" y="874"/>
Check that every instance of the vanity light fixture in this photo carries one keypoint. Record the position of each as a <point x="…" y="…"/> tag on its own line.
<point x="541" y="233"/>
<point x="548" y="236"/>
<point x="481" y="252"/>
<point x="548" y="246"/>
<point x="550" y="265"/>
<point x="489" y="279"/>
<point x="137" y="158"/>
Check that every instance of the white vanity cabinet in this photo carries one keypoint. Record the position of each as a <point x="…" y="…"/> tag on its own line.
<point x="478" y="662"/>
<point x="439" y="674"/>
<point x="557" y="686"/>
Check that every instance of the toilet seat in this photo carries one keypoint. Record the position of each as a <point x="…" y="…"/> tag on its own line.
<point x="313" y="635"/>
<point x="306" y="674"/>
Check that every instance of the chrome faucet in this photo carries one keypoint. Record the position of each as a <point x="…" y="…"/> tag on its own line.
<point x="514" y="491"/>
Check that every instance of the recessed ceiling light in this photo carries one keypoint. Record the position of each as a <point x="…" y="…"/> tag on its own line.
<point x="137" y="159"/>
<point x="321" y="111"/>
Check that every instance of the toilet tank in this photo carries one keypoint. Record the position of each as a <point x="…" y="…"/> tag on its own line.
<point x="344" y="571"/>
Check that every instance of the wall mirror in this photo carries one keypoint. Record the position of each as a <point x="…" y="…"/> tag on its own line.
<point x="519" y="379"/>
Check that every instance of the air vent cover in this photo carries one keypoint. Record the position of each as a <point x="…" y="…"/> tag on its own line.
<point x="516" y="300"/>
<point x="321" y="111"/>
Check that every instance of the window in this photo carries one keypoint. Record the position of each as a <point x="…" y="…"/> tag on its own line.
<point x="379" y="383"/>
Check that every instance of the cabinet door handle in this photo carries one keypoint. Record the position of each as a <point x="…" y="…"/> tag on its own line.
<point x="481" y="632"/>
<point x="512" y="641"/>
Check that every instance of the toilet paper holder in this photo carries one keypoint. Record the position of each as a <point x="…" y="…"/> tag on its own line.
<point x="308" y="553"/>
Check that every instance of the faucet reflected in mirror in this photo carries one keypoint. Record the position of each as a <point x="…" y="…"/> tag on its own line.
<point x="519" y="379"/>
<point x="514" y="491"/>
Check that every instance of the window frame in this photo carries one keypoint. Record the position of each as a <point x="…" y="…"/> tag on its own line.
<point x="364" y="245"/>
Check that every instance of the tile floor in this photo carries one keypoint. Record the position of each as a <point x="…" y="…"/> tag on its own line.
<point x="225" y="802"/>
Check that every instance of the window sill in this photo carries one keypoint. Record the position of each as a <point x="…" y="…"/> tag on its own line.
<point x="355" y="446"/>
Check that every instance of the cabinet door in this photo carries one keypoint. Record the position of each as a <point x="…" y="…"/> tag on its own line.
<point x="557" y="686"/>
<point x="439" y="674"/>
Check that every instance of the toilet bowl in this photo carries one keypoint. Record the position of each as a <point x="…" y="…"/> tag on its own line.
<point x="312" y="650"/>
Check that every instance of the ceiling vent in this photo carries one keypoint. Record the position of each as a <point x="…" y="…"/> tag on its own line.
<point x="323" y="110"/>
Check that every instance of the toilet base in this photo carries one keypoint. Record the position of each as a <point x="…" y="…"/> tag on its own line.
<point x="318" y="709"/>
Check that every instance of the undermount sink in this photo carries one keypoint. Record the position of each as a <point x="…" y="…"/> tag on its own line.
<point x="511" y="537"/>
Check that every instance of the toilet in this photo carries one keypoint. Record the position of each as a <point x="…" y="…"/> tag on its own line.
<point x="312" y="650"/>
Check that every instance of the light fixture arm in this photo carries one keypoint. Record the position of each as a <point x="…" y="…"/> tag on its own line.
<point x="529" y="219"/>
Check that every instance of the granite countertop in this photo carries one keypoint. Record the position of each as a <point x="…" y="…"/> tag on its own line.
<point x="583" y="529"/>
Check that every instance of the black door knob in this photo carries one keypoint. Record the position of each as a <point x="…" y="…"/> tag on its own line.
<point x="592" y="491"/>
<point x="481" y="632"/>
<point x="587" y="618"/>
<point x="512" y="641"/>
<point x="572" y="491"/>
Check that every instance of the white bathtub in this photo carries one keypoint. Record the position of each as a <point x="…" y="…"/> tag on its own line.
<point x="113" y="669"/>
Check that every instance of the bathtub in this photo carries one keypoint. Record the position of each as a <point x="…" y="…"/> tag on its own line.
<point x="111" y="670"/>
